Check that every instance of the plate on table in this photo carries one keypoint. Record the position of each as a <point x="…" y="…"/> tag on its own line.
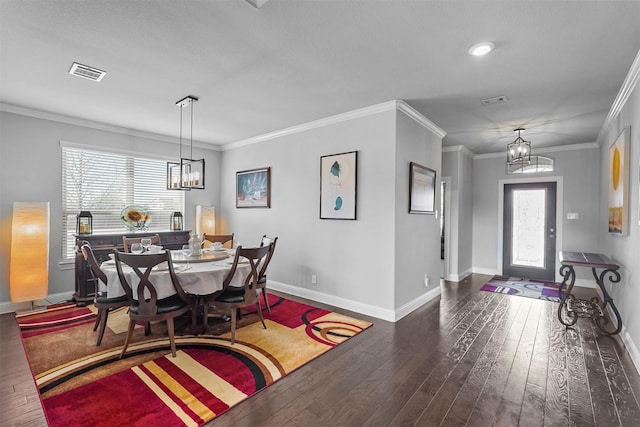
<point x="165" y="267"/>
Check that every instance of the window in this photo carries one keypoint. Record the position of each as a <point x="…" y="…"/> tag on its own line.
<point x="104" y="183"/>
<point x="537" y="164"/>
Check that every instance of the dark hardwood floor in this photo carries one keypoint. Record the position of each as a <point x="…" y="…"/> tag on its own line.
<point x="469" y="358"/>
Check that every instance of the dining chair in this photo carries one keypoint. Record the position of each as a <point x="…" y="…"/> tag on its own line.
<point x="128" y="241"/>
<point x="222" y="238"/>
<point x="145" y="306"/>
<point x="231" y="298"/>
<point x="102" y="302"/>
<point x="262" y="275"/>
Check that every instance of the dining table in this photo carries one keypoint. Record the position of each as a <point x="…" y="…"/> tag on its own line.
<point x="198" y="274"/>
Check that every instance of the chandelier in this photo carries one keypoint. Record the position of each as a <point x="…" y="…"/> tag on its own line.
<point x="188" y="173"/>
<point x="519" y="151"/>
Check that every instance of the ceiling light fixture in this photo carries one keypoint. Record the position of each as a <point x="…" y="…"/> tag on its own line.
<point x="519" y="151"/>
<point x="189" y="173"/>
<point x="481" y="49"/>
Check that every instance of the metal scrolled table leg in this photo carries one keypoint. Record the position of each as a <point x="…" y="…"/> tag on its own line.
<point x="603" y="321"/>
<point x="569" y="275"/>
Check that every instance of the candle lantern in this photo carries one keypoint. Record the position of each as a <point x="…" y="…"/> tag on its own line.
<point x="84" y="223"/>
<point x="176" y="221"/>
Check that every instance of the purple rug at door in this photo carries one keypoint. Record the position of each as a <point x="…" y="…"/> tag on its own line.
<point x="523" y="288"/>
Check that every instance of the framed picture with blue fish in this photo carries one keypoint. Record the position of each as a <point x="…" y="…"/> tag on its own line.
<point x="338" y="173"/>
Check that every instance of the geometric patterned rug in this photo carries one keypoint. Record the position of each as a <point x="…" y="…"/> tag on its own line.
<point x="539" y="289"/>
<point x="81" y="384"/>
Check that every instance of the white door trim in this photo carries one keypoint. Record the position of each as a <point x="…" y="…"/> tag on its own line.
<point x="559" y="214"/>
<point x="447" y="230"/>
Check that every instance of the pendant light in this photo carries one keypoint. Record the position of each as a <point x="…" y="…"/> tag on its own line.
<point x="519" y="151"/>
<point x="188" y="173"/>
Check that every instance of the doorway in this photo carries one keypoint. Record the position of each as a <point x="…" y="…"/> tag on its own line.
<point x="529" y="230"/>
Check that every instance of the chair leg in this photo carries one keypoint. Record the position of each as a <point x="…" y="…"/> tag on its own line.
<point x="132" y="324"/>
<point x="147" y="329"/>
<point x="171" y="336"/>
<point x="205" y="316"/>
<point x="98" y="317"/>
<point x="234" y="321"/>
<point x="260" y="313"/>
<point x="266" y="301"/>
<point x="194" y="315"/>
<point x="103" y="324"/>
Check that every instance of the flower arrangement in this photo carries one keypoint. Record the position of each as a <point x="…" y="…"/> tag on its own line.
<point x="135" y="217"/>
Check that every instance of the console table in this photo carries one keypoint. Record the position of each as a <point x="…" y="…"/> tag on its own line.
<point x="104" y="244"/>
<point x="571" y="308"/>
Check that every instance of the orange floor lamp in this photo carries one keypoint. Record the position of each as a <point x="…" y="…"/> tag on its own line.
<point x="29" y="265"/>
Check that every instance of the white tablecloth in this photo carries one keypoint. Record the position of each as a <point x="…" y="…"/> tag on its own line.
<point x="200" y="278"/>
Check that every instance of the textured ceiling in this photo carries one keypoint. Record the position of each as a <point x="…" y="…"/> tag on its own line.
<point x="258" y="70"/>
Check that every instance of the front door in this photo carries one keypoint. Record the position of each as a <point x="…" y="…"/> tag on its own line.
<point x="529" y="247"/>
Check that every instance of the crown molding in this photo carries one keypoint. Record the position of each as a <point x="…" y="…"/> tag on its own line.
<point x="338" y="118"/>
<point x="570" y="147"/>
<point x="459" y="148"/>
<point x="627" y="88"/>
<point x="418" y="117"/>
<point x="61" y="118"/>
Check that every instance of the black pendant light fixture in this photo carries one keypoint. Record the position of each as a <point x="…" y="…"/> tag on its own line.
<point x="519" y="151"/>
<point x="188" y="173"/>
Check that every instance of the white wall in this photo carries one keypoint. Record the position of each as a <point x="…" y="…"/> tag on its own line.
<point x="580" y="172"/>
<point x="450" y="166"/>
<point x="360" y="265"/>
<point x="624" y="250"/>
<point x="457" y="163"/>
<point x="352" y="260"/>
<point x="417" y="236"/>
<point x="33" y="145"/>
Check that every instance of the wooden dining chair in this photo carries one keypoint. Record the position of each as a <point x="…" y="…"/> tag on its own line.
<point x="102" y="302"/>
<point x="128" y="241"/>
<point x="225" y="239"/>
<point x="262" y="275"/>
<point x="231" y="298"/>
<point x="145" y="306"/>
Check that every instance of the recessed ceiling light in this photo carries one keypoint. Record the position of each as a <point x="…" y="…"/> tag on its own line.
<point x="481" y="49"/>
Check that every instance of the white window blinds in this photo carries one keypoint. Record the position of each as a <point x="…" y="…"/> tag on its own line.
<point x="104" y="183"/>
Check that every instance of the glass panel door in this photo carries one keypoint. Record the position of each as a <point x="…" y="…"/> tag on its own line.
<point x="529" y="248"/>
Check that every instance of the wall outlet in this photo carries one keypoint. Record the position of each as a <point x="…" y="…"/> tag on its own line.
<point x="426" y="281"/>
<point x="314" y="279"/>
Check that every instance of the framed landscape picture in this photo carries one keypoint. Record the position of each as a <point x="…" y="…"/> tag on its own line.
<point x="338" y="186"/>
<point x="619" y="184"/>
<point x="422" y="189"/>
<point x="253" y="188"/>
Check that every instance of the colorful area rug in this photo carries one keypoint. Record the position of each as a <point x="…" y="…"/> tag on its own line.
<point x="84" y="385"/>
<point x="523" y="288"/>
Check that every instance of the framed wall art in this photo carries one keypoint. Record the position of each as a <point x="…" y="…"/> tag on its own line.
<point x="619" y="184"/>
<point x="338" y="174"/>
<point x="422" y="189"/>
<point x="253" y="188"/>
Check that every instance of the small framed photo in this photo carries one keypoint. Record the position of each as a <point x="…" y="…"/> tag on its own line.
<point x="422" y="189"/>
<point x="338" y="186"/>
<point x="253" y="188"/>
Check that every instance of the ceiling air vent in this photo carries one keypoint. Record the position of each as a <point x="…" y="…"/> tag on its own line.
<point x="87" y="72"/>
<point x="495" y="100"/>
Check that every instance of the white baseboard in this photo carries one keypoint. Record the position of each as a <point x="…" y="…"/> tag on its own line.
<point x="358" y="307"/>
<point x="458" y="277"/>
<point x="416" y="303"/>
<point x="629" y="344"/>
<point x="487" y="271"/>
<point x="9" y="307"/>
